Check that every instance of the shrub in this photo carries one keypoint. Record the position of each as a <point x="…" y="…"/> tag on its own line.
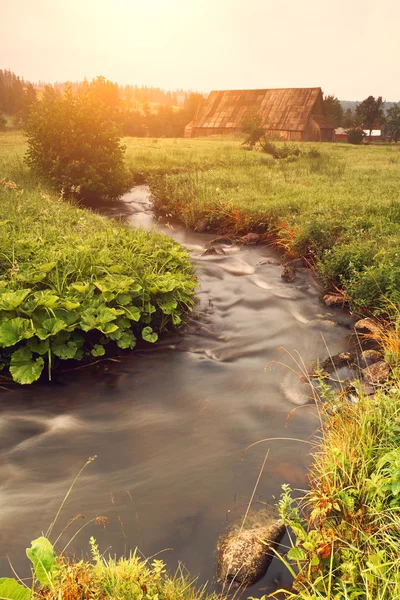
<point x="284" y="151"/>
<point x="252" y="126"/>
<point x="74" y="144"/>
<point x="355" y="136"/>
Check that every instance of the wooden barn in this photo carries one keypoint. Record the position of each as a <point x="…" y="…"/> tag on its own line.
<point x="296" y="114"/>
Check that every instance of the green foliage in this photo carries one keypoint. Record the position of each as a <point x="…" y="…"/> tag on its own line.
<point x="355" y="135"/>
<point x="252" y="126"/>
<point x="392" y="125"/>
<point x="281" y="151"/>
<point x="370" y="112"/>
<point x="12" y="590"/>
<point x="334" y="110"/>
<point x="344" y="530"/>
<point x="41" y="554"/>
<point x="74" y="144"/>
<point x="73" y="283"/>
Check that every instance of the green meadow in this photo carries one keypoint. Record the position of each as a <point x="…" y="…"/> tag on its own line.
<point x="336" y="204"/>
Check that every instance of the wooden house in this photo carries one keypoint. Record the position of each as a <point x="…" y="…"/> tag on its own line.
<point x="296" y="114"/>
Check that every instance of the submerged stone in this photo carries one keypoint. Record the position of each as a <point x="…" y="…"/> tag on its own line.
<point x="244" y="556"/>
<point x="288" y="274"/>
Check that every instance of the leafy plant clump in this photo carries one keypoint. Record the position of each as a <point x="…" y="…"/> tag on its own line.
<point x="73" y="283"/>
<point x="74" y="145"/>
<point x="346" y="527"/>
<point x="355" y="136"/>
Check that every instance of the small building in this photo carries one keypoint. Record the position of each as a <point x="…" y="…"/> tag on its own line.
<point x="341" y="134"/>
<point x="296" y="114"/>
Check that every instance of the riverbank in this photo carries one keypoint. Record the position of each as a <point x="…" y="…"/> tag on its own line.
<point x="74" y="284"/>
<point x="336" y="552"/>
<point x="338" y="208"/>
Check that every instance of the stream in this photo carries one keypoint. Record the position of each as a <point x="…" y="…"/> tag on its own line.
<point x="169" y="424"/>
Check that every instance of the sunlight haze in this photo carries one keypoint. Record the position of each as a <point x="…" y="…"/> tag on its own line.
<point x="348" y="47"/>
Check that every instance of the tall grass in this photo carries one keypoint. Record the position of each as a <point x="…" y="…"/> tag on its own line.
<point x="347" y="525"/>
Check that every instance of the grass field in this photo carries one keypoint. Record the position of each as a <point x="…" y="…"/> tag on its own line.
<point x="339" y="206"/>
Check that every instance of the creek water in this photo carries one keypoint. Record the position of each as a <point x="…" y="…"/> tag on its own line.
<point x="168" y="425"/>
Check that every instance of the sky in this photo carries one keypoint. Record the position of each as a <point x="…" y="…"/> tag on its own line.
<point x="350" y="48"/>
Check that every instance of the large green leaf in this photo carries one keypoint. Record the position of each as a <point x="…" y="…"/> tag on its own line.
<point x="15" y="330"/>
<point x="99" y="318"/>
<point x="38" y="346"/>
<point x="10" y="300"/>
<point x="127" y="340"/>
<point x="66" y="350"/>
<point x="50" y="327"/>
<point x="297" y="554"/>
<point x="132" y="312"/>
<point x="167" y="304"/>
<point x="46" y="298"/>
<point x="149" y="335"/>
<point x="23" y="368"/>
<point x="10" y="589"/>
<point x="98" y="350"/>
<point x="41" y="554"/>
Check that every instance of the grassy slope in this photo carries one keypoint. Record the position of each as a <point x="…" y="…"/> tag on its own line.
<point x="72" y="281"/>
<point x="341" y="208"/>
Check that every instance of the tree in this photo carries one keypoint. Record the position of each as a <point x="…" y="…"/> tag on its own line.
<point x="106" y="91"/>
<point x="355" y="135"/>
<point x="252" y="126"/>
<point x="74" y="144"/>
<point x="28" y="100"/>
<point x="334" y="110"/>
<point x="370" y="112"/>
<point x="393" y="122"/>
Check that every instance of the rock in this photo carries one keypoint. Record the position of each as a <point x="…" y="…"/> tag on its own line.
<point x="369" y="357"/>
<point x="251" y="238"/>
<point x="289" y="274"/>
<point x="376" y="373"/>
<point x="201" y="226"/>
<point x="297" y="263"/>
<point x="268" y="261"/>
<point x="344" y="359"/>
<point x="367" y="325"/>
<point x="334" y="300"/>
<point x="214" y="250"/>
<point x="244" y="556"/>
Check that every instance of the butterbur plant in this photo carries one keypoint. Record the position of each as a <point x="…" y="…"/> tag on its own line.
<point x="74" y="284"/>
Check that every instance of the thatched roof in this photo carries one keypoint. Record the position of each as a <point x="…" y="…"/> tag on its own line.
<point x="281" y="109"/>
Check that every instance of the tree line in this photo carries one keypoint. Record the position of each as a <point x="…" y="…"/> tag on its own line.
<point x="139" y="111"/>
<point x="368" y="114"/>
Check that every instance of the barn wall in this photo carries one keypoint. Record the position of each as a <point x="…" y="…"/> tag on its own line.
<point x="315" y="133"/>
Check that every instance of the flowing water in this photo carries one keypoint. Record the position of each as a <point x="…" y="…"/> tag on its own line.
<point x="168" y="425"/>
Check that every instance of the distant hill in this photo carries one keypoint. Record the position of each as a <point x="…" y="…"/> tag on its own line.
<point x="346" y="104"/>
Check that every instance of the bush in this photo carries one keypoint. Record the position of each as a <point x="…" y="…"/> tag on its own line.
<point x="284" y="151"/>
<point x="74" y="144"/>
<point x="355" y="136"/>
<point x="252" y="126"/>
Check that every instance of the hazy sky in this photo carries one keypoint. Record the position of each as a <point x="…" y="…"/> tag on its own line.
<point x="348" y="47"/>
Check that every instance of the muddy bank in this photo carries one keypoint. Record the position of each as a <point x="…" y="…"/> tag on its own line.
<point x="169" y="425"/>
